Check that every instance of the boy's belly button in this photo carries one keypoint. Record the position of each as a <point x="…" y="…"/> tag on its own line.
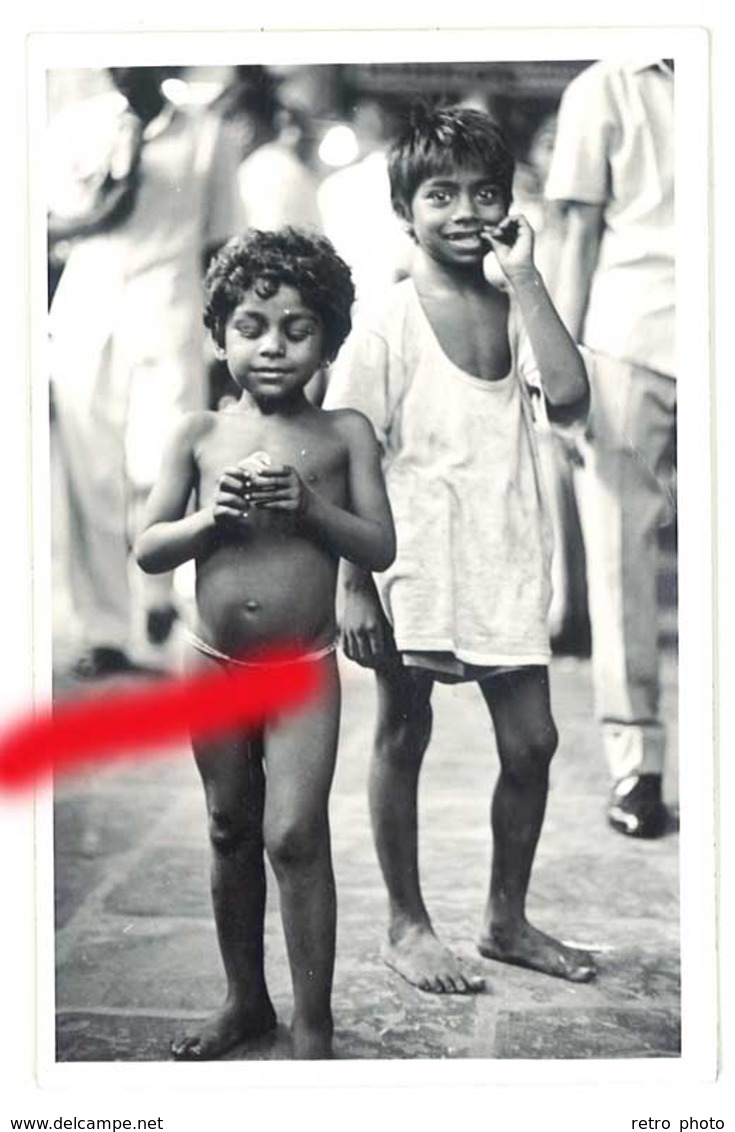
<point x="252" y="606"/>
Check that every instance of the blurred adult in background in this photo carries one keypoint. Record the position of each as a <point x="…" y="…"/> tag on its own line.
<point x="278" y="188"/>
<point x="532" y="170"/>
<point x="247" y="105"/>
<point x="355" y="205"/>
<point x="278" y="185"/>
<point x="143" y="191"/>
<point x="613" y="172"/>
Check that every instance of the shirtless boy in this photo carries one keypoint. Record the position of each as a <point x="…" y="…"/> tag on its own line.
<point x="281" y="491"/>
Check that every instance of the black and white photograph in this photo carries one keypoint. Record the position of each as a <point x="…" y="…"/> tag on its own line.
<point x="360" y="502"/>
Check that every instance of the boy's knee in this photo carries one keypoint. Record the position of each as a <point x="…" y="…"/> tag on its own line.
<point x="292" y="844"/>
<point x="529" y="756"/>
<point x="228" y="834"/>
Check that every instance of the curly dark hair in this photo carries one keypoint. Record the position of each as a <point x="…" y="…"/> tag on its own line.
<point x="267" y="260"/>
<point x="435" y="140"/>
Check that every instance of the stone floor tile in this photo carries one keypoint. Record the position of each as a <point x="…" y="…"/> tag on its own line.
<point x="99" y="824"/>
<point x="172" y="880"/>
<point x="609" y="1033"/>
<point x="137" y="945"/>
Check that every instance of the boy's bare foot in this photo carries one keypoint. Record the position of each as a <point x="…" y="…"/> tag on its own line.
<point x="223" y="1031"/>
<point x="526" y="946"/>
<point x="426" y="963"/>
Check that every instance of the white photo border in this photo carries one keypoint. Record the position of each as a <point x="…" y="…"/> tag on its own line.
<point x="690" y="48"/>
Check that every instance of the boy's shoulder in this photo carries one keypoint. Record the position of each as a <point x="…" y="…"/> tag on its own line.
<point x="192" y="426"/>
<point x="350" y="424"/>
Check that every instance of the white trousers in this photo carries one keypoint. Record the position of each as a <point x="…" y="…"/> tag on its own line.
<point x="110" y="432"/>
<point x="623" y="492"/>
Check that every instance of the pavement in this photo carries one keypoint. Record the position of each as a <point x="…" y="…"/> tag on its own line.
<point x="136" y="952"/>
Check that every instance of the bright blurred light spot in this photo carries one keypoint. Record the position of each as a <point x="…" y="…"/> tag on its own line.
<point x="339" y="147"/>
<point x="192" y="93"/>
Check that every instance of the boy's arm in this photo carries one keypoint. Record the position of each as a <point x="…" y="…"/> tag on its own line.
<point x="576" y="266"/>
<point x="366" y="634"/>
<point x="364" y="534"/>
<point x="368" y="495"/>
<point x="360" y="380"/>
<point x="168" y="536"/>
<point x="365" y="631"/>
<point x="563" y="373"/>
<point x="579" y="185"/>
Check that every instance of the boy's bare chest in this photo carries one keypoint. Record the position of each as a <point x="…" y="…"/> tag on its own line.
<point x="317" y="454"/>
<point x="473" y="335"/>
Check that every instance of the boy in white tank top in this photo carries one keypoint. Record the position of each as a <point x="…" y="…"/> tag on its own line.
<point x="448" y="371"/>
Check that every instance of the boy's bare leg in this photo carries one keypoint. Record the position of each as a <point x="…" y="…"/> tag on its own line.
<point x="300" y="753"/>
<point x="403" y="732"/>
<point x="234" y="786"/>
<point x="526" y="738"/>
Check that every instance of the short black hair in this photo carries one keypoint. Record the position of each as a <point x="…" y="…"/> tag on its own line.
<point x="290" y="256"/>
<point x="437" y="140"/>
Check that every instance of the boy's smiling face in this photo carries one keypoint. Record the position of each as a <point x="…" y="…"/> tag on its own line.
<point x="448" y="212"/>
<point x="273" y="344"/>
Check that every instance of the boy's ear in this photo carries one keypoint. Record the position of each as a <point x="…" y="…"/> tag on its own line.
<point x="219" y="352"/>
<point x="404" y="215"/>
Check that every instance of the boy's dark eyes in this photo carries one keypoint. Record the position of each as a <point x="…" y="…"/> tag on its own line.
<point x="485" y="194"/>
<point x="439" y="195"/>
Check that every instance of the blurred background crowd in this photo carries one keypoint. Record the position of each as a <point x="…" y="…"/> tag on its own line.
<point x="300" y="145"/>
<point x="149" y="170"/>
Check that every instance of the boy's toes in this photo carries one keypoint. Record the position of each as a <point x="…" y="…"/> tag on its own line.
<point x="474" y="984"/>
<point x="458" y="983"/>
<point x="421" y="959"/>
<point x="570" y="963"/>
<point x="187" y="1049"/>
<point x="582" y="969"/>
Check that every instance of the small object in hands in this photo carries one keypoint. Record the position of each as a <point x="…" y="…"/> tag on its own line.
<point x="506" y="233"/>
<point x="251" y="465"/>
<point x="255" y="462"/>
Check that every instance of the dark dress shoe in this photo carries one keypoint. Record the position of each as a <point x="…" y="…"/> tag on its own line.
<point x="102" y="661"/>
<point x="636" y="808"/>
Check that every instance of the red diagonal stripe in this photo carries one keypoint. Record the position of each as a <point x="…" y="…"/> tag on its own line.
<point x="78" y="733"/>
